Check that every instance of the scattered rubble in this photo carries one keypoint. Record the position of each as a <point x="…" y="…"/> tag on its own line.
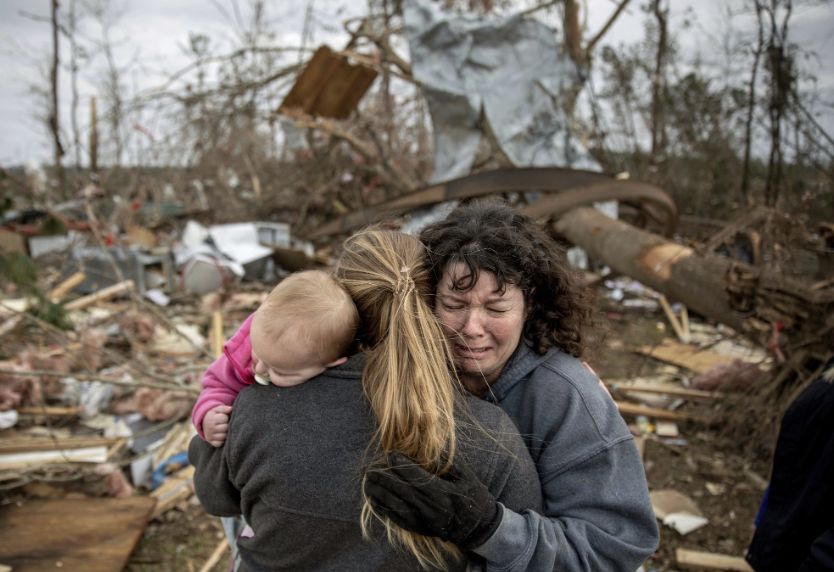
<point x="102" y="400"/>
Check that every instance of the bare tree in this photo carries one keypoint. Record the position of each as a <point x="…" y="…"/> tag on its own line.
<point x="658" y="126"/>
<point x="54" y="126"/>
<point x="71" y="31"/>
<point x="744" y="192"/>
<point x="781" y="79"/>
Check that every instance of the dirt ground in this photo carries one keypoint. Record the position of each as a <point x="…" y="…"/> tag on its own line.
<point x="726" y="485"/>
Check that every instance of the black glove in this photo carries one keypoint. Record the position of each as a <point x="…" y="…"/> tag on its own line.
<point x="456" y="506"/>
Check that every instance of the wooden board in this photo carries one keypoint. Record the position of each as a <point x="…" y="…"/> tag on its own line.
<point x="20" y="443"/>
<point x="663" y="389"/>
<point x="329" y="86"/>
<point x="176" y="488"/>
<point x="683" y="355"/>
<point x="635" y="409"/>
<point x="695" y="560"/>
<point x="94" y="535"/>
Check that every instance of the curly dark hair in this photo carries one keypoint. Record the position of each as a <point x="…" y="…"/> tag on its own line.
<point x="492" y="236"/>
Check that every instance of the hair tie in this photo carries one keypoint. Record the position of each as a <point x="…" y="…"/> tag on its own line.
<point x="405" y="284"/>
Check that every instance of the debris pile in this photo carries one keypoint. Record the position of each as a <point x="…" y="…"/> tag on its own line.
<point x="103" y="346"/>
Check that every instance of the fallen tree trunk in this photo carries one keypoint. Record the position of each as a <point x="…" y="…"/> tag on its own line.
<point x="757" y="301"/>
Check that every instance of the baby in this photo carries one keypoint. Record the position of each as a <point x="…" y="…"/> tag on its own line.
<point x="306" y="325"/>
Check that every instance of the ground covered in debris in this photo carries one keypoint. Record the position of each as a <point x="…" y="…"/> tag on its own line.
<point x="703" y="464"/>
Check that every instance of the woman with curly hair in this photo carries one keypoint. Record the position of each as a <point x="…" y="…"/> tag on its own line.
<point x="514" y="315"/>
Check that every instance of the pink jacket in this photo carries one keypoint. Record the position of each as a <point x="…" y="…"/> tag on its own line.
<point x="227" y="376"/>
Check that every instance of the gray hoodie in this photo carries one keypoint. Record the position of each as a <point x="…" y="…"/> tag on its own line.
<point x="293" y="464"/>
<point x="597" y="514"/>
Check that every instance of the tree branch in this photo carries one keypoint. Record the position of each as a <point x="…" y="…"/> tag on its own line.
<point x="595" y="40"/>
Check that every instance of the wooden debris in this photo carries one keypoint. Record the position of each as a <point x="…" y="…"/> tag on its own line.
<point x="37" y="458"/>
<point x="217" y="337"/>
<point x="634" y="409"/>
<point x="51" y="411"/>
<point x="215" y="555"/>
<point x="690" y="357"/>
<point x="22" y="443"/>
<point x="90" y="534"/>
<point x="760" y="482"/>
<point x="677" y="325"/>
<point x="85" y="377"/>
<point x="62" y="289"/>
<point x="101" y="295"/>
<point x="697" y="560"/>
<point x="329" y="86"/>
<point x="665" y="389"/>
<point x="176" y="441"/>
<point x="176" y="488"/>
<point x="666" y="429"/>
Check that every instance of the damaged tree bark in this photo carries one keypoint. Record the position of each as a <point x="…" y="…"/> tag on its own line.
<point x="758" y="302"/>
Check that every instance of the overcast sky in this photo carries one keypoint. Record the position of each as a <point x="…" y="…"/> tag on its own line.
<point x="152" y="32"/>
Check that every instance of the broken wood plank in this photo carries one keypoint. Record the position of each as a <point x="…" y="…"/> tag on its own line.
<point x="64" y="287"/>
<point x="329" y="86"/>
<point x="215" y="555"/>
<point x="86" y="377"/>
<point x="176" y="488"/>
<point x="21" y="443"/>
<point x="95" y="535"/>
<point x="217" y="337"/>
<point x="176" y="441"/>
<point x="51" y="411"/>
<point x="675" y="391"/>
<point x="673" y="319"/>
<point x="634" y="409"/>
<point x="687" y="356"/>
<point x="100" y="296"/>
<point x="37" y="458"/>
<point x="697" y="560"/>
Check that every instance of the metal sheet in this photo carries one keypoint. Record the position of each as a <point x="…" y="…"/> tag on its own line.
<point x="509" y="73"/>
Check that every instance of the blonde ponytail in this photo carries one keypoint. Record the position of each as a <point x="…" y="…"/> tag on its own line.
<point x="409" y="378"/>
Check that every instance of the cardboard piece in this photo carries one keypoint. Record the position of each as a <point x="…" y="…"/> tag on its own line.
<point x="677" y="511"/>
<point x="94" y="535"/>
<point x="670" y="501"/>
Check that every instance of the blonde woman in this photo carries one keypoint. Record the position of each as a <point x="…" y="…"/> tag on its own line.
<point x="295" y="457"/>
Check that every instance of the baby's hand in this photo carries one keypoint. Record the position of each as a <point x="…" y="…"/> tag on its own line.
<point x="216" y="425"/>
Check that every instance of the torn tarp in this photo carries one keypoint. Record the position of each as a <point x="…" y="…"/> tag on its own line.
<point x="510" y="69"/>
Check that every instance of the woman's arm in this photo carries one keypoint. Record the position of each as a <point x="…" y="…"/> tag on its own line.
<point x="596" y="521"/>
<point x="597" y="513"/>
<point x="212" y="481"/>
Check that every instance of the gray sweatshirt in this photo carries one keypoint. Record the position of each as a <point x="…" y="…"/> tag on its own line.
<point x="597" y="514"/>
<point x="293" y="464"/>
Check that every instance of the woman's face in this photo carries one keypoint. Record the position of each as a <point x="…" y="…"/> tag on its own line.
<point x="483" y="325"/>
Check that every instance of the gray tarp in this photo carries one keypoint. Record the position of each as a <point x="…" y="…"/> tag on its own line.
<point x="511" y="69"/>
